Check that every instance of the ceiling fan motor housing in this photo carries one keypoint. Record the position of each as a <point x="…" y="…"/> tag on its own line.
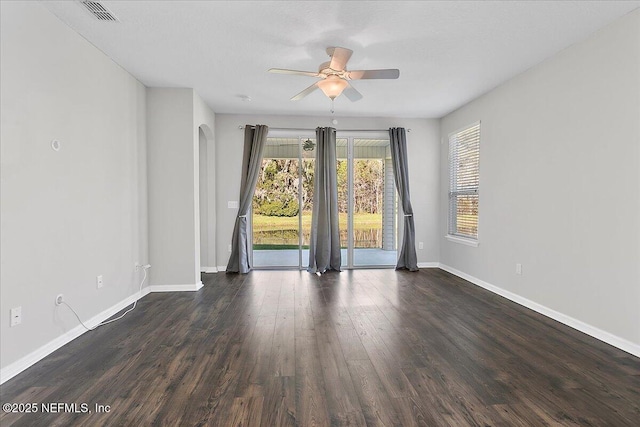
<point x="327" y="70"/>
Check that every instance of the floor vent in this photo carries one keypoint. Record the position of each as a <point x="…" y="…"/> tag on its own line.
<point x="99" y="11"/>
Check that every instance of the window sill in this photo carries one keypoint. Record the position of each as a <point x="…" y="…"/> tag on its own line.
<point x="462" y="240"/>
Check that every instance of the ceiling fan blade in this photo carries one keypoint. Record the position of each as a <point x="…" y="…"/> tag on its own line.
<point x="339" y="57"/>
<point x="295" y="72"/>
<point x="305" y="92"/>
<point x="391" y="73"/>
<point x="351" y="93"/>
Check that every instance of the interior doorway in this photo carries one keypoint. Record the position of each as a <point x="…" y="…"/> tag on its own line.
<point x="203" y="199"/>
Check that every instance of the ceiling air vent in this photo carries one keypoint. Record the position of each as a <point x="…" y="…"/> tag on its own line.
<point x="99" y="11"/>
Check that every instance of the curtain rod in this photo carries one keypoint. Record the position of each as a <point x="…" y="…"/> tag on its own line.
<point x="337" y="130"/>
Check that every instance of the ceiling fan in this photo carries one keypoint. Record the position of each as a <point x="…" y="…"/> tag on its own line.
<point x="334" y="76"/>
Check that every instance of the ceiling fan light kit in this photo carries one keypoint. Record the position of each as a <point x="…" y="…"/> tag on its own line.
<point x="332" y="86"/>
<point x="334" y="76"/>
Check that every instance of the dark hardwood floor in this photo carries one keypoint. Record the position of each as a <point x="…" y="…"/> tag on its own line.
<point x="366" y="347"/>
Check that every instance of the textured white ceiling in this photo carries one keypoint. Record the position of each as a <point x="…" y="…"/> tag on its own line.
<point x="448" y="52"/>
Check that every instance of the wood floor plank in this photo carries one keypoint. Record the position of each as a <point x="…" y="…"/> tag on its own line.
<point x="303" y="314"/>
<point x="377" y="406"/>
<point x="311" y="403"/>
<point x="412" y="412"/>
<point x="440" y="399"/>
<point x="342" y="399"/>
<point x="350" y="342"/>
<point x="246" y="411"/>
<point x="384" y="360"/>
<point x="365" y="347"/>
<point x="287" y="300"/>
<point x="256" y="370"/>
<point x="279" y="407"/>
<point x="283" y="354"/>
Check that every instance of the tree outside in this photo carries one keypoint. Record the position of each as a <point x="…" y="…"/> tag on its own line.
<point x="276" y="206"/>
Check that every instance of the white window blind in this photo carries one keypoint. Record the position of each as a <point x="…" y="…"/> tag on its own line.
<point x="464" y="177"/>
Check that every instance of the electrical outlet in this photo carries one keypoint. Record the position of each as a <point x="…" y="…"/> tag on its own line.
<point x="99" y="281"/>
<point x="16" y="316"/>
<point x="229" y="249"/>
<point x="519" y="269"/>
<point x="420" y="245"/>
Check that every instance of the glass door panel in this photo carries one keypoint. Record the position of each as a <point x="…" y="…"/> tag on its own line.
<point x="276" y="206"/>
<point x="342" y="148"/>
<point x="307" y="173"/>
<point x="374" y="210"/>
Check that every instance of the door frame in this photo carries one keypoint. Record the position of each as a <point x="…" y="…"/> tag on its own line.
<point x="350" y="136"/>
<point x="300" y="136"/>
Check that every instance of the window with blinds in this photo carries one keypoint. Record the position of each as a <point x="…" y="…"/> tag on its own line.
<point x="464" y="177"/>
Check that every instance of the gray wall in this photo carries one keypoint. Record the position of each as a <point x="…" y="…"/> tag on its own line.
<point x="71" y="215"/>
<point x="204" y="121"/>
<point x="560" y="183"/>
<point x="173" y="244"/>
<point x="203" y="199"/>
<point x="175" y="118"/>
<point x="424" y="151"/>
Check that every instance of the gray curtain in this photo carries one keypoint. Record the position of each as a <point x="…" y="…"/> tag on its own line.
<point x="324" y="247"/>
<point x="407" y="258"/>
<point x="254" y="142"/>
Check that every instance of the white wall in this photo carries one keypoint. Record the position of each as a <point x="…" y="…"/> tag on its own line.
<point x="560" y="183"/>
<point x="424" y="151"/>
<point x="71" y="215"/>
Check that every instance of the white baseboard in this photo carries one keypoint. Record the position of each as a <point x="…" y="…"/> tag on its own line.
<point x="208" y="269"/>
<point x="222" y="268"/>
<point x="428" y="265"/>
<point x="176" y="288"/>
<point x="581" y="326"/>
<point x="35" y="356"/>
<point x="20" y="365"/>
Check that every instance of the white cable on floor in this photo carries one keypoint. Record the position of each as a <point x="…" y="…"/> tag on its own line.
<point x="144" y="268"/>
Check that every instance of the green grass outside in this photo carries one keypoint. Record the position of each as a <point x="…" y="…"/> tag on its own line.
<point x="361" y="221"/>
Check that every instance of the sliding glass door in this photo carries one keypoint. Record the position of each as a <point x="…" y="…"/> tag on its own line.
<point x="367" y="203"/>
<point x="373" y="208"/>
<point x="281" y="208"/>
